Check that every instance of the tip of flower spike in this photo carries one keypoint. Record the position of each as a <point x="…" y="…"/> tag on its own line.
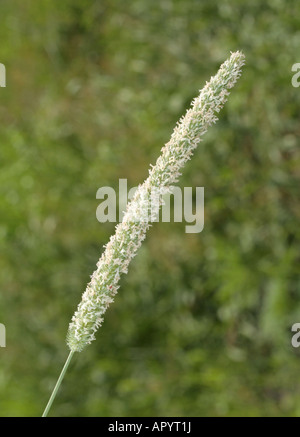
<point x="237" y="53"/>
<point x="238" y="57"/>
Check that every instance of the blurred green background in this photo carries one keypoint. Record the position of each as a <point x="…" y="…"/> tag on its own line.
<point x="202" y="322"/>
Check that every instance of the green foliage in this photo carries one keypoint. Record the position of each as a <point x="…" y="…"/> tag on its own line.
<point x="202" y="323"/>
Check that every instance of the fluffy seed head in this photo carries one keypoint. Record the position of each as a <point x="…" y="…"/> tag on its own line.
<point x="130" y="233"/>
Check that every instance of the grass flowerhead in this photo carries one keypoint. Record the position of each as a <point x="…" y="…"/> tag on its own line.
<point x="130" y="233"/>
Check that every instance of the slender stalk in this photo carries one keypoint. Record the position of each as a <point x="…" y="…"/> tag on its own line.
<point x="57" y="385"/>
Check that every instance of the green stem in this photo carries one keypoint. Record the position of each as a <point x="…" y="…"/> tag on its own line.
<point x="57" y="385"/>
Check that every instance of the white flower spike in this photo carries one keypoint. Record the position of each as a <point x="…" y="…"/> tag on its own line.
<point x="130" y="233"/>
